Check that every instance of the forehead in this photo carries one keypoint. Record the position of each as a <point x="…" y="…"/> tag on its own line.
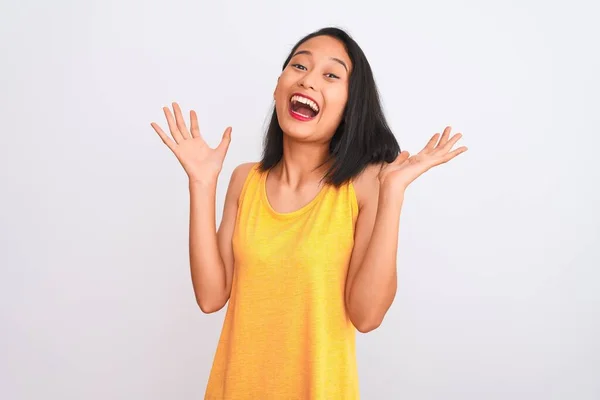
<point x="326" y="47"/>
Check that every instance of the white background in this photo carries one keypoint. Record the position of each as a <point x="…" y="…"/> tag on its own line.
<point x="499" y="264"/>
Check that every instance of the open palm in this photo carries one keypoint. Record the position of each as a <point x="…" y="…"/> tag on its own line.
<point x="200" y="162"/>
<point x="406" y="168"/>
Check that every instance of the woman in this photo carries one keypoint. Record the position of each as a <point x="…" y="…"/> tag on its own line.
<point x="306" y="249"/>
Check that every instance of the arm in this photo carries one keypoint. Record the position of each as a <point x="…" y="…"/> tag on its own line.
<point x="211" y="253"/>
<point x="371" y="283"/>
<point x="372" y="279"/>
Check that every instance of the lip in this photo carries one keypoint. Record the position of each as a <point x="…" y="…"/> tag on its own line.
<point x="298" y="116"/>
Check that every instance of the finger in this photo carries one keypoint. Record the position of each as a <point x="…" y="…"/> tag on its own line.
<point x="444" y="138"/>
<point x="172" y="125"/>
<point x="194" y="128"/>
<point x="454" y="153"/>
<point x="404" y="162"/>
<point x="431" y="144"/>
<point x="166" y="139"/>
<point x="403" y="156"/>
<point x="180" y="121"/>
<point x="225" y="141"/>
<point x="452" y="142"/>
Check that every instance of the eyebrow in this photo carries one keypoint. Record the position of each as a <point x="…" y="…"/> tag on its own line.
<point x="332" y="58"/>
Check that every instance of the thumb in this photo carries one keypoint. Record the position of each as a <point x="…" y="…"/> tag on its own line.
<point x="225" y="141"/>
<point x="403" y="156"/>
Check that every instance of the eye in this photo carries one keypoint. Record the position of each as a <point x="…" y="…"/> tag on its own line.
<point x="299" y="66"/>
<point x="330" y="75"/>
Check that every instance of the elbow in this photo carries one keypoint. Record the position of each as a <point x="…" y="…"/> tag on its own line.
<point x="211" y="301"/>
<point x="209" y="307"/>
<point x="367" y="317"/>
<point x="366" y="322"/>
<point x="368" y="325"/>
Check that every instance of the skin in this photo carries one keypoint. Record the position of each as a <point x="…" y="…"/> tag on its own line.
<point x="372" y="275"/>
<point x="320" y="68"/>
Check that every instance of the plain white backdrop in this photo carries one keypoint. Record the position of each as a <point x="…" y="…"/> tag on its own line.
<point x="499" y="260"/>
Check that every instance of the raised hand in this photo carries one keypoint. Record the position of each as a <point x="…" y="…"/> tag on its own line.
<point x="200" y="162"/>
<point x="406" y="168"/>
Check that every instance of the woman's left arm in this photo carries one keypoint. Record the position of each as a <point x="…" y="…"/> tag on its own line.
<point x="372" y="280"/>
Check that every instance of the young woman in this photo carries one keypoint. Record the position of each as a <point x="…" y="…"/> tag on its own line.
<point x="306" y="249"/>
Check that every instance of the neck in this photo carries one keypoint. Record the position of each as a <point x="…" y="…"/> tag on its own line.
<point x="301" y="163"/>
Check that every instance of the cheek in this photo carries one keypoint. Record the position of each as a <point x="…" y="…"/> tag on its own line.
<point x="278" y="94"/>
<point x="282" y="98"/>
<point x="336" y="102"/>
<point x="280" y="101"/>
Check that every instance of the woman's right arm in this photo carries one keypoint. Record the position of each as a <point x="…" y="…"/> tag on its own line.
<point x="211" y="252"/>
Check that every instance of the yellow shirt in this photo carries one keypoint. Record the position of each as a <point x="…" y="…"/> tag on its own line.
<point x="286" y="333"/>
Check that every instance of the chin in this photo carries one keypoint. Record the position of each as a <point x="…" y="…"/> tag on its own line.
<point x="296" y="128"/>
<point x="293" y="130"/>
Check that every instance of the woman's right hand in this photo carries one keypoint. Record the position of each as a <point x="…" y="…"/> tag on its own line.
<point x="201" y="163"/>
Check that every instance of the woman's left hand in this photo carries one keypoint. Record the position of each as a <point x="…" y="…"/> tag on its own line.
<point x="401" y="172"/>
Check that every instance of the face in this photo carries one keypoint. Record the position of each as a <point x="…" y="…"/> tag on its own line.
<point x="312" y="90"/>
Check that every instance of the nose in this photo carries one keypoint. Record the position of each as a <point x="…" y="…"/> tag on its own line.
<point x="308" y="80"/>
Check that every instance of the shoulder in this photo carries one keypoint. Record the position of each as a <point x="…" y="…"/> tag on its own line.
<point x="242" y="170"/>
<point x="239" y="177"/>
<point x="366" y="184"/>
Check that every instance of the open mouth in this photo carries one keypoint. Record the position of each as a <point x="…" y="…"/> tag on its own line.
<point x="303" y="108"/>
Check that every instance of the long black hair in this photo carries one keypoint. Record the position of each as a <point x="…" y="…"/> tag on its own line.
<point x="363" y="136"/>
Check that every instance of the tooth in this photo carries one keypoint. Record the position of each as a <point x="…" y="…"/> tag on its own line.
<point x="306" y="101"/>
